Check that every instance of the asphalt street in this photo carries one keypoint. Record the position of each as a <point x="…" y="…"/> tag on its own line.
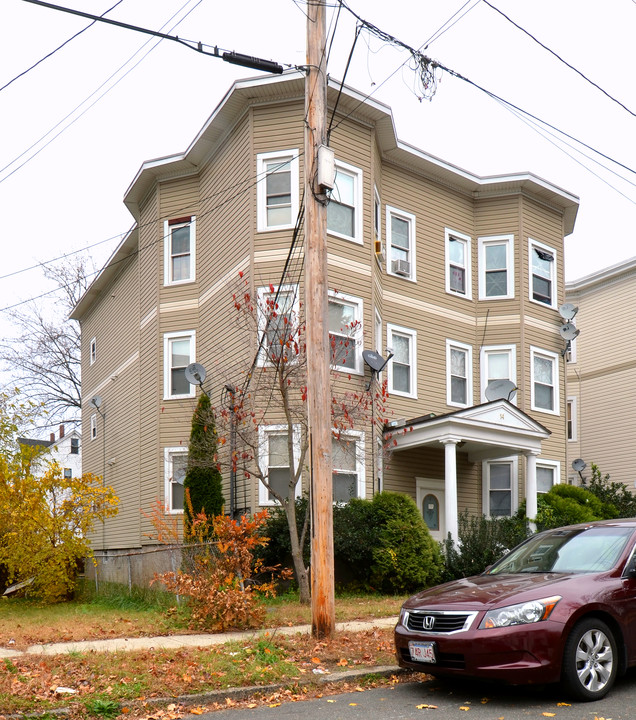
<point x="449" y="701"/>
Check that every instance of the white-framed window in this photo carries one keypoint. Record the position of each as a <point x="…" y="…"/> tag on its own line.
<point x="571" y="410"/>
<point x="178" y="353"/>
<point x="543" y="260"/>
<point x="458" y="254"/>
<point x="400" y="238"/>
<point x="402" y="369"/>
<point x="497" y="362"/>
<point x="344" y="211"/>
<point x="274" y="464"/>
<point x="496" y="267"/>
<point x="379" y="463"/>
<point x="544" y="367"/>
<point x="378" y="248"/>
<point x="93" y="350"/>
<point x="548" y="475"/>
<point x="500" y="487"/>
<point x="175" y="465"/>
<point x="179" y="236"/>
<point x="347" y="453"/>
<point x="345" y="331"/>
<point x="93" y="427"/>
<point x="277" y="196"/>
<point x="278" y="309"/>
<point x="459" y="374"/>
<point x="75" y="446"/>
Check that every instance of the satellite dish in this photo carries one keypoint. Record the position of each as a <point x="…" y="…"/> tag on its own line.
<point x="96" y="401"/>
<point x="374" y="360"/>
<point x="567" y="311"/>
<point x="195" y="373"/>
<point x="579" y="465"/>
<point x="569" y="331"/>
<point x="500" y="390"/>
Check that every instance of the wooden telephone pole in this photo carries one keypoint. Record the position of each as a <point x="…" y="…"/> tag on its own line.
<point x="316" y="306"/>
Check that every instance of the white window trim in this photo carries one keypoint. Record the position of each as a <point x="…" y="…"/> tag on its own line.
<point x="467" y="240"/>
<point x="511" y="350"/>
<point x="454" y="345"/>
<point x="535" y="351"/>
<point x="263" y="460"/>
<point x="378" y="337"/>
<point x="570" y="356"/>
<point x="410" y="219"/>
<point x="262" y="359"/>
<point x="482" y="243"/>
<point x="290" y="156"/>
<point x="167" y="338"/>
<point x="514" y="482"/>
<point x="412" y="334"/>
<point x="357" y="335"/>
<point x="357" y="437"/>
<point x="553" y="279"/>
<point x="93" y="351"/>
<point x="167" y="255"/>
<point x="168" y="473"/>
<point x="356" y="173"/>
<point x="573" y="401"/>
<point x="93" y="427"/>
<point x="377" y="227"/>
<point x="553" y="465"/>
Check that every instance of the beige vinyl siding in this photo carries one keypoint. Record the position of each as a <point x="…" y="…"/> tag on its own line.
<point x="115" y="378"/>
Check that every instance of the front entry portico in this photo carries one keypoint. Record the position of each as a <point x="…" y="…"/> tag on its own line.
<point x="493" y="430"/>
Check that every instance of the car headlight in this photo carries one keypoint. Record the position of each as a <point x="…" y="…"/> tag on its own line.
<point x="521" y="614"/>
<point x="404" y="617"/>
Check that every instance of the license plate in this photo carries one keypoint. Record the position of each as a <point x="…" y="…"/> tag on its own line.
<point x="422" y="652"/>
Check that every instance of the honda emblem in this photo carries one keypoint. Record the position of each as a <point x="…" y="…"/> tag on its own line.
<point x="429" y="622"/>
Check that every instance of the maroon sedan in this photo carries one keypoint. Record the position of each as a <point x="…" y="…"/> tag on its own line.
<point x="560" y="607"/>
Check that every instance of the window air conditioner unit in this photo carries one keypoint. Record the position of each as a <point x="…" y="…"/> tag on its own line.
<point x="401" y="267"/>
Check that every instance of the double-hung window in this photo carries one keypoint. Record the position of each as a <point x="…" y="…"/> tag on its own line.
<point x="274" y="462"/>
<point x="344" y="211"/>
<point x="571" y="409"/>
<point x="178" y="353"/>
<point x="458" y="252"/>
<point x="402" y="369"/>
<point x="347" y="452"/>
<point x="543" y="273"/>
<point x="93" y="351"/>
<point x="175" y="462"/>
<point x="548" y="475"/>
<point x="499" y="482"/>
<point x="345" y="329"/>
<point x="179" y="250"/>
<point x="496" y="276"/>
<point x="277" y="323"/>
<point x="545" y="380"/>
<point x="497" y="362"/>
<point x="400" y="237"/>
<point x="277" y="197"/>
<point x="93" y="427"/>
<point x="459" y="372"/>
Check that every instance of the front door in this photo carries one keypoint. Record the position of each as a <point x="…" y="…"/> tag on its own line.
<point x="430" y="500"/>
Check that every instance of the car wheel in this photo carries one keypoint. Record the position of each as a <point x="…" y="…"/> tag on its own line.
<point x="590" y="660"/>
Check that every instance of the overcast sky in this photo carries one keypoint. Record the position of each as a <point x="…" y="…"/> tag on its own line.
<point x="149" y="99"/>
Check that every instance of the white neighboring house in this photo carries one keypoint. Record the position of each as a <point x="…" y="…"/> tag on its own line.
<point x="63" y="448"/>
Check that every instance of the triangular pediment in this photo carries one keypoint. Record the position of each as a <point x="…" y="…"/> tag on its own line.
<point x="500" y="412"/>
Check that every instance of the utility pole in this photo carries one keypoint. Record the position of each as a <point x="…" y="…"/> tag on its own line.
<point x="316" y="306"/>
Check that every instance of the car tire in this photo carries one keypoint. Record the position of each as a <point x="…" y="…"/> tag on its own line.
<point x="590" y="660"/>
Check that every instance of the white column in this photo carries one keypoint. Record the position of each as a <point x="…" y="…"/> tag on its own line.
<point x="531" y="488"/>
<point x="450" y="488"/>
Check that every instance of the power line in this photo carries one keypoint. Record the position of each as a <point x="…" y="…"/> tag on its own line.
<point x="59" y="47"/>
<point x="560" y="59"/>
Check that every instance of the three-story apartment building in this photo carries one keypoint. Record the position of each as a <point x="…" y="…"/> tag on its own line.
<point x="460" y="275"/>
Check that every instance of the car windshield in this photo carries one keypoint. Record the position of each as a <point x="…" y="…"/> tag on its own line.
<point x="588" y="550"/>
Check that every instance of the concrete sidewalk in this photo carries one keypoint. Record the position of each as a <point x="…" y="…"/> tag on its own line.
<point x="177" y="641"/>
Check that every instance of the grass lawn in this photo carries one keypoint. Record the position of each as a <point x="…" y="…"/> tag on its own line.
<point x="110" y="684"/>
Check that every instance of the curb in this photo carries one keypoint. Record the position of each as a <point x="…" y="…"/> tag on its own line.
<point x="242" y="693"/>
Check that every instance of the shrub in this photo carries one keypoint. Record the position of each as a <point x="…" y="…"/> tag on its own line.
<point x="405" y="557"/>
<point x="569" y="505"/>
<point x="482" y="541"/>
<point x="380" y="544"/>
<point x="614" y="493"/>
